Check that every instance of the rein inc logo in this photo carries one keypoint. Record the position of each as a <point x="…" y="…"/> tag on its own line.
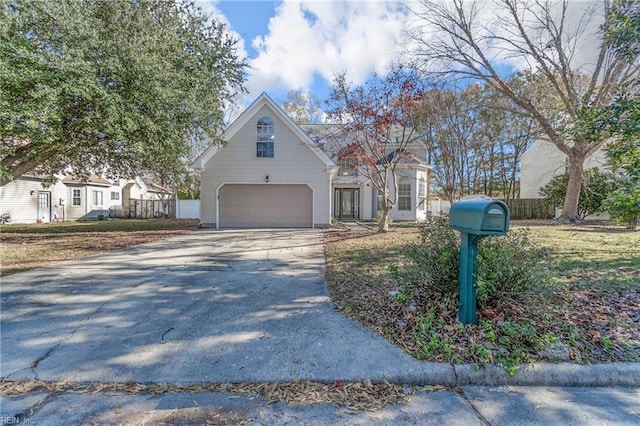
<point x="12" y="420"/>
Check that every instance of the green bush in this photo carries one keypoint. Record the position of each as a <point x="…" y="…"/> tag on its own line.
<point x="437" y="256"/>
<point x="624" y="205"/>
<point x="508" y="264"/>
<point x="505" y="264"/>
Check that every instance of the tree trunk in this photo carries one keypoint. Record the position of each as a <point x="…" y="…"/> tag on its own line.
<point x="383" y="226"/>
<point x="569" y="212"/>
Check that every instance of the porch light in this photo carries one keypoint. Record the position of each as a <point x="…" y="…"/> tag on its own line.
<point x="266" y="178"/>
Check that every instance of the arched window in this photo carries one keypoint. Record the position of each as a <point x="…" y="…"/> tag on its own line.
<point x="404" y="193"/>
<point x="265" y="138"/>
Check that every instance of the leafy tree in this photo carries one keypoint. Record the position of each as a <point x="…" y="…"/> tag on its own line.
<point x="455" y="38"/>
<point x="111" y="87"/>
<point x="377" y="125"/>
<point x="596" y="187"/>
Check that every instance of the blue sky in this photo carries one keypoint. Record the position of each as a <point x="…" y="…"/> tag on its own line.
<point x="300" y="45"/>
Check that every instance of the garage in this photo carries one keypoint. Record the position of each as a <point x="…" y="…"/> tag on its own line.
<point x="265" y="206"/>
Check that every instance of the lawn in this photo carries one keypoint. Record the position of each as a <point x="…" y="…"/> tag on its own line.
<point x="586" y="310"/>
<point x="23" y="247"/>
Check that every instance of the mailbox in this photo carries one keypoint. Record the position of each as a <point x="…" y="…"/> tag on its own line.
<point x="475" y="219"/>
<point x="480" y="217"/>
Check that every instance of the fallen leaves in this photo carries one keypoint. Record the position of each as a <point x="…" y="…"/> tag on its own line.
<point x="594" y="311"/>
<point x="364" y="395"/>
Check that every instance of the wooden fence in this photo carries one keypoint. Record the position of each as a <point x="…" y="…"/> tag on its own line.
<point x="152" y="208"/>
<point x="530" y="208"/>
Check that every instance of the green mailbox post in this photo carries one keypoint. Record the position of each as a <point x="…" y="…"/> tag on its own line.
<point x="474" y="219"/>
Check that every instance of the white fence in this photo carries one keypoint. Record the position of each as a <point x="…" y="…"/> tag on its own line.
<point x="436" y="207"/>
<point x="188" y="209"/>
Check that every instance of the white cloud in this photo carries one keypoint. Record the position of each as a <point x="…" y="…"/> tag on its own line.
<point x="309" y="38"/>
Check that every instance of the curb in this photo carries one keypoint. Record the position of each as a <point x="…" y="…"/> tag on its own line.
<point x="623" y="374"/>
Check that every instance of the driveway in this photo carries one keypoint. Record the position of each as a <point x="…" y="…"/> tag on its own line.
<point x="211" y="306"/>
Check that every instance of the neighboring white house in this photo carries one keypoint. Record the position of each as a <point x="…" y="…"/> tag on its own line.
<point x="542" y="161"/>
<point x="275" y="173"/>
<point x="27" y="200"/>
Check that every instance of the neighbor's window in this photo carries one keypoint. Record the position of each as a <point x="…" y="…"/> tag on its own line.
<point x="404" y="193"/>
<point x="115" y="195"/>
<point x="265" y="137"/>
<point x="422" y="193"/>
<point x="76" y="197"/>
<point x="98" y="198"/>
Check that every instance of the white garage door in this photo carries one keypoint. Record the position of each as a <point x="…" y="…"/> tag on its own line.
<point x="265" y="206"/>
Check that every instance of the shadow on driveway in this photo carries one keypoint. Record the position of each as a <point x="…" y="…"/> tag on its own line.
<point x="212" y="306"/>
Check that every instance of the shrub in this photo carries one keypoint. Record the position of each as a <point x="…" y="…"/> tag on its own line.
<point x="505" y="264"/>
<point x="596" y="186"/>
<point x="624" y="205"/>
<point x="437" y="256"/>
<point x="508" y="264"/>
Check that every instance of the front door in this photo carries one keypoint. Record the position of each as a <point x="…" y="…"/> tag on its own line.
<point x="346" y="203"/>
<point x="44" y="206"/>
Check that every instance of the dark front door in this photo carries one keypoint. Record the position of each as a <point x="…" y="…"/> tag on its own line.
<point x="346" y="203"/>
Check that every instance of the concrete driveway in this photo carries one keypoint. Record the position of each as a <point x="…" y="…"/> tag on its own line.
<point x="212" y="306"/>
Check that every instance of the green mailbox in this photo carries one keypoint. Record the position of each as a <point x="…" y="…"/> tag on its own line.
<point x="480" y="217"/>
<point x="474" y="219"/>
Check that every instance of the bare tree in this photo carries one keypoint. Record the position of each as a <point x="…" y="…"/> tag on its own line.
<point x="547" y="39"/>
<point x="450" y="125"/>
<point x="377" y="126"/>
<point x="303" y="107"/>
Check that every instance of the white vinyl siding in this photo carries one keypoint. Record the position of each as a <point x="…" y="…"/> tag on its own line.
<point x="294" y="163"/>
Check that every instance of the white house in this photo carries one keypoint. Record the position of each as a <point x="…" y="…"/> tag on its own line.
<point x="275" y="173"/>
<point x="29" y="199"/>
<point x="542" y="161"/>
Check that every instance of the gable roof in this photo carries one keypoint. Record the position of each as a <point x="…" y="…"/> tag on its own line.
<point x="88" y="180"/>
<point x="406" y="157"/>
<point x="248" y="114"/>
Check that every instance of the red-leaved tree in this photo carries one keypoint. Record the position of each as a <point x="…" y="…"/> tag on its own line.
<point x="377" y="120"/>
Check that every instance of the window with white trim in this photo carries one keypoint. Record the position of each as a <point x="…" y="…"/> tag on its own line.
<point x="115" y="195"/>
<point x="76" y="197"/>
<point x="422" y="193"/>
<point x="265" y="138"/>
<point x="98" y="198"/>
<point x="404" y="193"/>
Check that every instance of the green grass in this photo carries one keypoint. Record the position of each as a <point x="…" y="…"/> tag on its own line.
<point x="112" y="225"/>
<point x="603" y="258"/>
